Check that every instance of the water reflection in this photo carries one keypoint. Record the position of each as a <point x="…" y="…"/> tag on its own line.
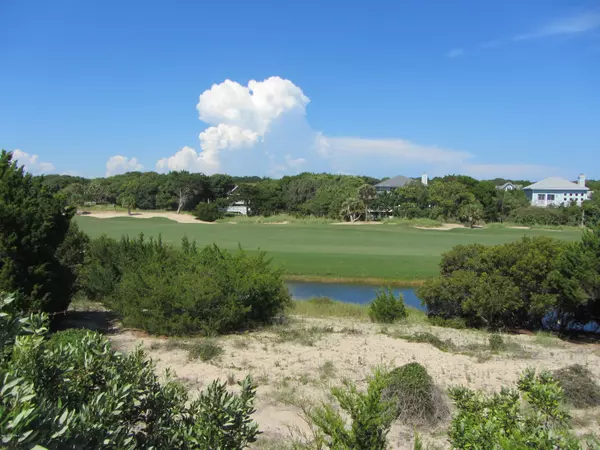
<point x="347" y="293"/>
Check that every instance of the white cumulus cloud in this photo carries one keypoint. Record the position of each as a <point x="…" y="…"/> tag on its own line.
<point x="32" y="163"/>
<point x="239" y="117"/>
<point x="121" y="164"/>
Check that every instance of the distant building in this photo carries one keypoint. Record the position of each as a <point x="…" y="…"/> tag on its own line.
<point x="398" y="182"/>
<point x="237" y="207"/>
<point x="557" y="191"/>
<point x="508" y="186"/>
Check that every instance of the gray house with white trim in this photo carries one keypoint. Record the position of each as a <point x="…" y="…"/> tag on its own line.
<point x="557" y="191"/>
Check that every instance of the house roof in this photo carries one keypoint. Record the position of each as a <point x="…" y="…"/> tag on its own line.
<point x="508" y="183"/>
<point x="556" y="184"/>
<point x="395" y="182"/>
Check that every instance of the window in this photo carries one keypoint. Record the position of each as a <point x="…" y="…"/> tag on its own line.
<point x="550" y="197"/>
<point x="541" y="197"/>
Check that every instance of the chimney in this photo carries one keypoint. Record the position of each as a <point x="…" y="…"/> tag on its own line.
<point x="581" y="180"/>
<point x="424" y="179"/>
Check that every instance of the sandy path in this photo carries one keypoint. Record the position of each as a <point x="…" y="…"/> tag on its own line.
<point x="181" y="218"/>
<point x="292" y="372"/>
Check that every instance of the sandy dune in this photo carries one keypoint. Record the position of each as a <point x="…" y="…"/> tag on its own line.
<point x="297" y="371"/>
<point x="181" y="218"/>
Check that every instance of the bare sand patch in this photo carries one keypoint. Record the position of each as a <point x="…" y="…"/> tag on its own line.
<point x="444" y="227"/>
<point x="520" y="228"/>
<point x="181" y="218"/>
<point x="371" y="222"/>
<point x="300" y="368"/>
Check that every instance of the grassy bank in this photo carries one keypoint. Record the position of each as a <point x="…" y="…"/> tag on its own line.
<point x="324" y="307"/>
<point x="380" y="254"/>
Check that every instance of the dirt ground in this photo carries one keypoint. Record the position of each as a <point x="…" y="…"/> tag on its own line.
<point x="296" y="364"/>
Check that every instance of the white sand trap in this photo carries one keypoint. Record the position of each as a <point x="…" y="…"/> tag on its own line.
<point x="276" y="223"/>
<point x="444" y="227"/>
<point x="520" y="228"/>
<point x="181" y="218"/>
<point x="358" y="223"/>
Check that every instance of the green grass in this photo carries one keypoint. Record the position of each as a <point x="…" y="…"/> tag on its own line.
<point x="324" y="251"/>
<point x="324" y="307"/>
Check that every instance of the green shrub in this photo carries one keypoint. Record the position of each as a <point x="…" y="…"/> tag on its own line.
<point x="387" y="308"/>
<point x="429" y="338"/>
<point x="74" y="391"/>
<point x="500" y="421"/>
<point x="38" y="258"/>
<point x="205" y="350"/>
<point x="207" y="212"/>
<point x="416" y="398"/>
<point x="369" y="417"/>
<point x="496" y="343"/>
<point x="170" y="291"/>
<point x="580" y="389"/>
<point x="513" y="285"/>
<point x="457" y="323"/>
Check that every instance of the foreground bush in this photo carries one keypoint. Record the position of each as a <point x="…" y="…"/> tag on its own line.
<point x="370" y="419"/>
<point x="417" y="400"/>
<point x="500" y="421"/>
<point x="73" y="391"/>
<point x="207" y="212"/>
<point x="510" y="285"/>
<point x="38" y="253"/>
<point x="580" y="388"/>
<point x="171" y="291"/>
<point x="387" y="308"/>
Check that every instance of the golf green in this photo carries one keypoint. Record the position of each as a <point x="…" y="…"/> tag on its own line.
<point x="322" y="251"/>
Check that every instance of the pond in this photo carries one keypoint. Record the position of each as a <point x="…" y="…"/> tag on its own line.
<point x="347" y="293"/>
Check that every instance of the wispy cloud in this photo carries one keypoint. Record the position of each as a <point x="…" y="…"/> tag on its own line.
<point x="571" y="25"/>
<point x="455" y="53"/>
<point x="587" y="23"/>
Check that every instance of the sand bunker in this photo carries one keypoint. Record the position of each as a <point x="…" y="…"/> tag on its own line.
<point x="358" y="223"/>
<point x="181" y="218"/>
<point x="444" y="227"/>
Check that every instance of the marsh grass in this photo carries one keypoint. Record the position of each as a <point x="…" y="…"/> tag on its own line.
<point x="548" y="340"/>
<point x="307" y="336"/>
<point x="323" y="307"/>
<point x="205" y="349"/>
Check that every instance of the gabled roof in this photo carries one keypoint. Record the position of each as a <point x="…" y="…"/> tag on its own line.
<point x="556" y="184"/>
<point x="508" y="183"/>
<point x="395" y="182"/>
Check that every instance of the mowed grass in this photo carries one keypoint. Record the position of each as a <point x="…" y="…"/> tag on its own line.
<point x="322" y="251"/>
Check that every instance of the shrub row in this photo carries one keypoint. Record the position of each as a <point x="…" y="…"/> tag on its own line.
<point x="519" y="284"/>
<point x="171" y="291"/>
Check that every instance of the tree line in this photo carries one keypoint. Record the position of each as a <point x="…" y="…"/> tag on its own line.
<point x="452" y="197"/>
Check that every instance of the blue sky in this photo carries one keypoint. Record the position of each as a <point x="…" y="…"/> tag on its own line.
<point x="488" y="88"/>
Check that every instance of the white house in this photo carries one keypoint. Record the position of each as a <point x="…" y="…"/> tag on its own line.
<point x="237" y="207"/>
<point x="557" y="191"/>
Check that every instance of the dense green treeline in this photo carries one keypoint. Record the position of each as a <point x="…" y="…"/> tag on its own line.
<point x="453" y="197"/>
